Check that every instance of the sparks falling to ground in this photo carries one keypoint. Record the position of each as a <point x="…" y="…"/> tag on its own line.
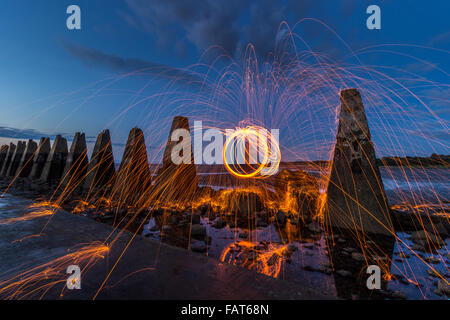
<point x="320" y="182"/>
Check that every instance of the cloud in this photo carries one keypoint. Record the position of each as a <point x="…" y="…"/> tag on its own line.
<point x="15" y="133"/>
<point x="25" y="134"/>
<point x="204" y="22"/>
<point x="230" y="24"/>
<point x="93" y="57"/>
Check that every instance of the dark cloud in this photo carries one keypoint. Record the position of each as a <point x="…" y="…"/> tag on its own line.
<point x="230" y="24"/>
<point x="203" y="23"/>
<point x="97" y="58"/>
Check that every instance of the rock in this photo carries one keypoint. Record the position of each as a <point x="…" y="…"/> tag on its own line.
<point x="358" y="256"/>
<point x="297" y="191"/>
<point x="292" y="247"/>
<point x="241" y="202"/>
<point x="273" y="259"/>
<point x="437" y="229"/>
<point x="344" y="273"/>
<point x="420" y="248"/>
<point x="195" y="218"/>
<point x="143" y="213"/>
<point x="443" y="287"/>
<point x="198" y="231"/>
<point x="166" y="229"/>
<point x="398" y="295"/>
<point x="326" y="265"/>
<point x="311" y="268"/>
<point x="219" y="223"/>
<point x="280" y="217"/>
<point x="243" y="235"/>
<point x="261" y="223"/>
<point x="198" y="246"/>
<point x="437" y="292"/>
<point x="432" y="260"/>
<point x="146" y="233"/>
<point x="314" y="227"/>
<point x="154" y="228"/>
<point x="173" y="219"/>
<point x="349" y="249"/>
<point x="433" y="273"/>
<point x="422" y="237"/>
<point x="106" y="217"/>
<point x="204" y="209"/>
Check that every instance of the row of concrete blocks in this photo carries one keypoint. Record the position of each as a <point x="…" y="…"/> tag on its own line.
<point x="57" y="165"/>
<point x="356" y="198"/>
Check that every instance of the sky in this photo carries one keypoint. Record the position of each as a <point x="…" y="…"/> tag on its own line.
<point x="59" y="81"/>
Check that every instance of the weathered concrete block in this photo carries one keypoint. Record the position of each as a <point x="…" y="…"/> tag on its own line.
<point x="133" y="177"/>
<point x="9" y="156"/>
<point x="3" y="153"/>
<point x="56" y="161"/>
<point x="101" y="171"/>
<point x="26" y="162"/>
<point x="356" y="199"/>
<point x="15" y="160"/>
<point x="176" y="182"/>
<point x="77" y="162"/>
<point x="40" y="158"/>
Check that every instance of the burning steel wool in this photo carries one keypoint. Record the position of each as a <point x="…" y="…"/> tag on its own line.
<point x="296" y="190"/>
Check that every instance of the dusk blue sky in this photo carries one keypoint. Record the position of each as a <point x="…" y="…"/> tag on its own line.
<point x="49" y="74"/>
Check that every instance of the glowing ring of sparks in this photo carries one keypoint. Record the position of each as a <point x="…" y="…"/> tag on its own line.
<point x="258" y="136"/>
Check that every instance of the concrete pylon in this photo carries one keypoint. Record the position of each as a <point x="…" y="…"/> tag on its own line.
<point x="56" y="161"/>
<point x="40" y="157"/>
<point x="15" y="160"/>
<point x="356" y="199"/>
<point x="133" y="177"/>
<point x="176" y="182"/>
<point x="26" y="162"/>
<point x="101" y="171"/>
<point x="3" y="153"/>
<point x="9" y="155"/>
<point x="77" y="162"/>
